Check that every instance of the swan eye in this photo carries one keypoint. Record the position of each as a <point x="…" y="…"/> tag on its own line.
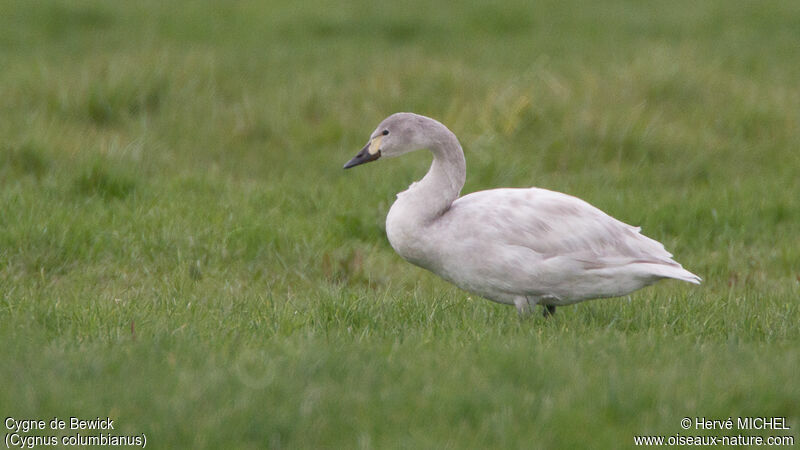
<point x="385" y="132"/>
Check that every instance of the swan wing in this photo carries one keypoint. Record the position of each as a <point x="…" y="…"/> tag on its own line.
<point x="557" y="236"/>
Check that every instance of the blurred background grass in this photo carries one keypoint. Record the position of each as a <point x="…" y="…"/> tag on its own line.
<point x="180" y="249"/>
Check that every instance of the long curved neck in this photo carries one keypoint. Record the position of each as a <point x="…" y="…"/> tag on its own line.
<point x="437" y="190"/>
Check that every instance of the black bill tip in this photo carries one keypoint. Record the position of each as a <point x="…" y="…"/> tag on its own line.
<point x="364" y="156"/>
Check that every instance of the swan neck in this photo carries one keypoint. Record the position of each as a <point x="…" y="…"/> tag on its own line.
<point x="443" y="183"/>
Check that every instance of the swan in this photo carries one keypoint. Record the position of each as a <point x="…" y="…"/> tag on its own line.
<point x="521" y="247"/>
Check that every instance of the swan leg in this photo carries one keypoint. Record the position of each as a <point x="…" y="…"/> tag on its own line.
<point x="549" y="310"/>
<point x="525" y="305"/>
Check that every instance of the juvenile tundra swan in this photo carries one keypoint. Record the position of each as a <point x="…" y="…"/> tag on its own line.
<point x="520" y="247"/>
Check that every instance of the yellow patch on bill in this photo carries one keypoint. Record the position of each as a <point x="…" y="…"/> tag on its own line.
<point x="375" y="145"/>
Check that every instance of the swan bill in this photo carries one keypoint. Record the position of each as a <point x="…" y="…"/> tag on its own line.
<point x="366" y="155"/>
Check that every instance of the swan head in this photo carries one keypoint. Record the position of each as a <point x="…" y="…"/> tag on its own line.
<point x="398" y="134"/>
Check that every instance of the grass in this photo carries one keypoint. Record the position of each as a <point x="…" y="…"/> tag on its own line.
<point x="181" y="251"/>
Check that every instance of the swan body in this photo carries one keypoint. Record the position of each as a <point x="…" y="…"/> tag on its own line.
<point x="515" y="246"/>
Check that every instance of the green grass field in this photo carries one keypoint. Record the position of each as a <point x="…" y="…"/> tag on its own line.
<point x="181" y="251"/>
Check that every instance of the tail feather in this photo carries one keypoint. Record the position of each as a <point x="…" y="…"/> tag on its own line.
<point x="676" y="272"/>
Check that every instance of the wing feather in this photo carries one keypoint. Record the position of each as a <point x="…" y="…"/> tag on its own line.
<point x="555" y="224"/>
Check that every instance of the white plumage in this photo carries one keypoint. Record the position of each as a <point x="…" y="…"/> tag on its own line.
<point x="515" y="246"/>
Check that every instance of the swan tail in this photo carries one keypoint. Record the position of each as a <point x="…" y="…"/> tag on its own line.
<point x="675" y="272"/>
